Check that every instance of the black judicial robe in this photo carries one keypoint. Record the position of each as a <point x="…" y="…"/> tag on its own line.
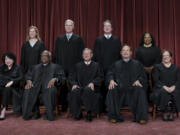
<point x="107" y="51"/>
<point x="68" y="53"/>
<point x="165" y="76"/>
<point x="125" y="74"/>
<point x="40" y="76"/>
<point x="82" y="75"/>
<point x="14" y="74"/>
<point x="31" y="55"/>
<point x="148" y="56"/>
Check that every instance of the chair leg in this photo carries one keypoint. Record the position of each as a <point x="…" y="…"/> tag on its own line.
<point x="57" y="106"/>
<point x="98" y="116"/>
<point x="177" y="114"/>
<point x="57" y="110"/>
<point x="154" y="112"/>
<point x="68" y="112"/>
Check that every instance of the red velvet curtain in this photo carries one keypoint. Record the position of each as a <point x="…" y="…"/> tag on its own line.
<point x="131" y="18"/>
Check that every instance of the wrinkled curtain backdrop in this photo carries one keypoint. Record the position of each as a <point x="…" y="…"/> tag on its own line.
<point x="131" y="18"/>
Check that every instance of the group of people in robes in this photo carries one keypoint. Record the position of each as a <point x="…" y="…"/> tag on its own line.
<point x="106" y="78"/>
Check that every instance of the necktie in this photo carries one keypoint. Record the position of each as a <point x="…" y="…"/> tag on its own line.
<point x="68" y="36"/>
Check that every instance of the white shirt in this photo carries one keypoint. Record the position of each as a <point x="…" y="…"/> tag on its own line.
<point x="126" y="60"/>
<point x="87" y="62"/>
<point x="107" y="36"/>
<point x="32" y="44"/>
<point x="69" y="35"/>
<point x="45" y="64"/>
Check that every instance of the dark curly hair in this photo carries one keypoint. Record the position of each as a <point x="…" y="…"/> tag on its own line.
<point x="9" y="55"/>
<point x="142" y="39"/>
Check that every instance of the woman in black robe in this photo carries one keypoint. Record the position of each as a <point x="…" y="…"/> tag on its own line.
<point x="166" y="92"/>
<point x="31" y="52"/>
<point x="10" y="76"/>
<point x="31" y="49"/>
<point x="148" y="53"/>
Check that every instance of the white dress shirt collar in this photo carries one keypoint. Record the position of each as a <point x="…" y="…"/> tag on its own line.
<point x="87" y="62"/>
<point x="69" y="35"/>
<point x="126" y="60"/>
<point x="107" y="36"/>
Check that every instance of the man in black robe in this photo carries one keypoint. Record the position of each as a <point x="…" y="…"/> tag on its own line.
<point x="106" y="51"/>
<point x="107" y="47"/>
<point x="67" y="52"/>
<point x="42" y="79"/>
<point x="85" y="80"/>
<point x="31" y="52"/>
<point x="127" y="85"/>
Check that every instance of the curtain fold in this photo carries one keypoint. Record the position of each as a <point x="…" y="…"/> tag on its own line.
<point x="130" y="18"/>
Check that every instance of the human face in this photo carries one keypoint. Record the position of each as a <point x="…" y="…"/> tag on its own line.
<point x="9" y="62"/>
<point x="166" y="58"/>
<point x="45" y="58"/>
<point x="87" y="55"/>
<point x="69" y="26"/>
<point x="107" y="28"/>
<point x="147" y="39"/>
<point x="126" y="52"/>
<point x="32" y="33"/>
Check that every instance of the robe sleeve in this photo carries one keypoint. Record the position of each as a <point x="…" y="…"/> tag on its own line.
<point x="73" y="77"/>
<point x="23" y="56"/>
<point x="110" y="74"/>
<point x="159" y="57"/>
<point x="120" y="47"/>
<point x="96" y="50"/>
<point x="178" y="79"/>
<point x="137" y="55"/>
<point x="60" y="75"/>
<point x="56" y="48"/>
<point x="19" y="77"/>
<point x="142" y="77"/>
<point x="99" y="77"/>
<point x="41" y="49"/>
<point x="3" y="79"/>
<point x="29" y="74"/>
<point x="81" y="48"/>
<point x="156" y="74"/>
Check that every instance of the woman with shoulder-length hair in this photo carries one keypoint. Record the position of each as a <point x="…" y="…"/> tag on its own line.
<point x="147" y="52"/>
<point x="166" y="91"/>
<point x="31" y="49"/>
<point x="10" y="77"/>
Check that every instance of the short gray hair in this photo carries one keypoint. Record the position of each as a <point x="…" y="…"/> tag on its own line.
<point x="69" y="20"/>
<point x="48" y="52"/>
<point x="88" y="49"/>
